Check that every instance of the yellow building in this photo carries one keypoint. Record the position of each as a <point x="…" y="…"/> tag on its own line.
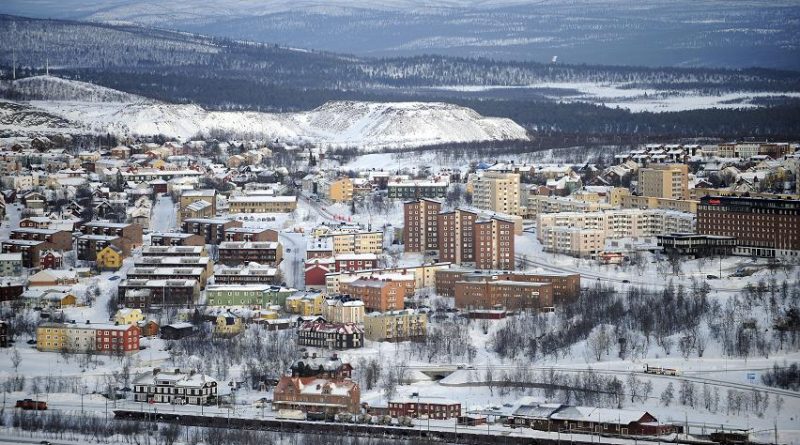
<point x="306" y="304"/>
<point x="50" y="337"/>
<point x="262" y="204"/>
<point x="128" y="316"/>
<point x="396" y="326"/>
<point x="341" y="190"/>
<point x="669" y="181"/>
<point x="110" y="258"/>
<point x="228" y="324"/>
<point x="498" y="192"/>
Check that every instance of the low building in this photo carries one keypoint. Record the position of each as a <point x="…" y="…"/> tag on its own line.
<point x="417" y="189"/>
<point x="423" y="407"/>
<point x="697" y="245"/>
<point x="253" y="273"/>
<point x="377" y="295"/>
<point x="109" y="258"/>
<point x="176" y="239"/>
<point x="144" y="293"/>
<point x="50" y="278"/>
<point x="317" y="395"/>
<point x="239" y="252"/>
<point x="513" y="295"/>
<point x="251" y="295"/>
<point x="321" y="334"/>
<point x="90" y="245"/>
<point x="343" y="309"/>
<point x="262" y="204"/>
<point x="313" y="365"/>
<point x="396" y="325"/>
<point x="227" y="324"/>
<point x="5" y="335"/>
<point x="11" y="264"/>
<point x="174" y="387"/>
<point x="128" y="316"/>
<point x="174" y="251"/>
<point x="257" y="234"/>
<point x="565" y="287"/>
<point x="82" y="338"/>
<point x="187" y="272"/>
<point x="177" y="331"/>
<point x="306" y="303"/>
<point x="55" y="239"/>
<point x="212" y="230"/>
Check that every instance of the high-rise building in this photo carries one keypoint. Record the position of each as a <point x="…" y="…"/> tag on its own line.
<point x="761" y="226"/>
<point x="459" y="236"/>
<point x="499" y="192"/>
<point x="670" y="181"/>
<point x="420" y="225"/>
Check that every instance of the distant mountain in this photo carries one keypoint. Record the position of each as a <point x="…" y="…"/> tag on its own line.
<point x="723" y="33"/>
<point x="368" y="125"/>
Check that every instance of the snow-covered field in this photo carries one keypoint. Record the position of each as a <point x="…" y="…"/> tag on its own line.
<point x="640" y="99"/>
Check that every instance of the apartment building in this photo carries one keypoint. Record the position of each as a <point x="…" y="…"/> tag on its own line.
<point x="537" y="204"/>
<point x="377" y="295"/>
<point x="89" y="246"/>
<point x="321" y="334"/>
<point x="423" y="276"/>
<point x="55" y="239"/>
<point x="402" y="325"/>
<point x="211" y="229"/>
<point x="460" y="236"/>
<point x="11" y="264"/>
<point x="417" y="189"/>
<point x="433" y="408"/>
<point x="174" y="387"/>
<point x="317" y="395"/>
<point x="174" y="251"/>
<point x="420" y="229"/>
<point x="262" y="204"/>
<point x="101" y="338"/>
<point x="253" y="273"/>
<point x="670" y="181"/>
<point x="511" y="295"/>
<point x="197" y="204"/>
<point x="176" y="239"/>
<point x="305" y="303"/>
<point x="251" y="295"/>
<point x="762" y="227"/>
<point x="356" y="242"/>
<point x="585" y="234"/>
<point x="130" y="232"/>
<point x="177" y="261"/>
<point x="233" y="253"/>
<point x="341" y="189"/>
<point x="565" y="287"/>
<point x="251" y="234"/>
<point x="343" y="309"/>
<point x="143" y="293"/>
<point x="498" y="192"/>
<point x="184" y="272"/>
<point x="31" y="250"/>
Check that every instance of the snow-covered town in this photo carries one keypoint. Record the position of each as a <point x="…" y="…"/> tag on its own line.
<point x="406" y="222"/>
<point x="653" y="296"/>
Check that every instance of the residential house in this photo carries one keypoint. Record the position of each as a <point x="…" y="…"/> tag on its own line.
<point x="109" y="258"/>
<point x="174" y="387"/>
<point x="322" y="334"/>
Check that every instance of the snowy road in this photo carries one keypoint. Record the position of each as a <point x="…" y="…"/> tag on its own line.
<point x="164" y="215"/>
<point x="294" y="253"/>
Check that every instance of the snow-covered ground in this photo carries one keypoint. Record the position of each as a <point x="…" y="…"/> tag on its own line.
<point x="640" y="99"/>
<point x="367" y="125"/>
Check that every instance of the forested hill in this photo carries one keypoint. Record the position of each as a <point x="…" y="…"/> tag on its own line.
<point x="231" y="75"/>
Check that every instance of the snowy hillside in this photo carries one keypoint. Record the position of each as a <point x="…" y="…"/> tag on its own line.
<point x="54" y="88"/>
<point x="362" y="124"/>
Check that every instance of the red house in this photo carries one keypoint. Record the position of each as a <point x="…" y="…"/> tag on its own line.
<point x="316" y="269"/>
<point x="119" y="339"/>
<point x="50" y="260"/>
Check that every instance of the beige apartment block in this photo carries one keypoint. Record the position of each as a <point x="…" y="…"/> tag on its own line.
<point x="499" y="192"/>
<point x="669" y="181"/>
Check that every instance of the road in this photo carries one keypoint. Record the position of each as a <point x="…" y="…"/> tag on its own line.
<point x="294" y="254"/>
<point x="164" y="217"/>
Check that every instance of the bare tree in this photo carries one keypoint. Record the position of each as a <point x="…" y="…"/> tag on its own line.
<point x="16" y="359"/>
